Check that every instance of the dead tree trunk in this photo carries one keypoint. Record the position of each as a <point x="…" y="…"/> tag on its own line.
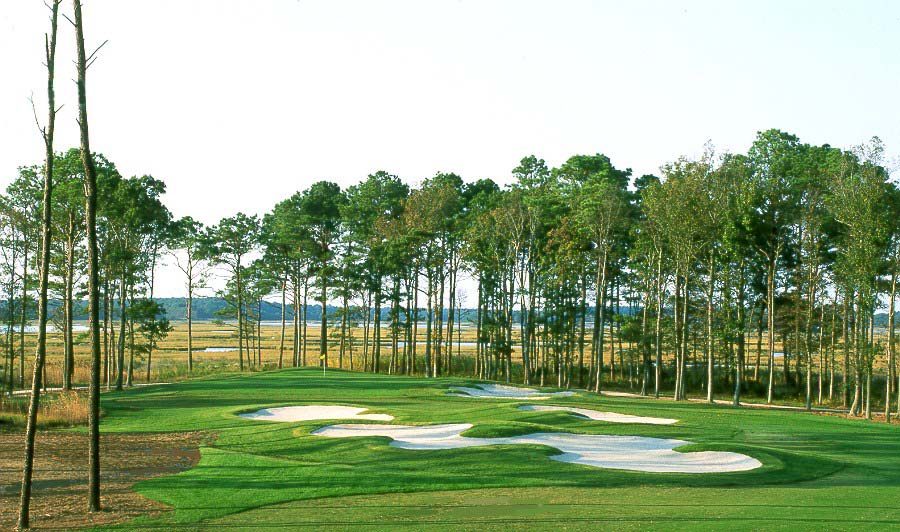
<point x="90" y="189"/>
<point x="43" y="266"/>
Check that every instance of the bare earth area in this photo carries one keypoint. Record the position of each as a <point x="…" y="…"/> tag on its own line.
<point x="60" y="479"/>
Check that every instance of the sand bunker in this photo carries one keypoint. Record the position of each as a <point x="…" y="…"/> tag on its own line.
<point x="499" y="391"/>
<point x="597" y="415"/>
<point x="314" y="412"/>
<point x="633" y="453"/>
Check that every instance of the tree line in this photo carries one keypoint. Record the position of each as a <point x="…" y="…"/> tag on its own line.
<point x="583" y="271"/>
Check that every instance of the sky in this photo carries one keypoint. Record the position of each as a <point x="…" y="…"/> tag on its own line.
<point x="236" y="105"/>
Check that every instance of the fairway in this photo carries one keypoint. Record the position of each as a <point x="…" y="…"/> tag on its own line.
<point x="817" y="471"/>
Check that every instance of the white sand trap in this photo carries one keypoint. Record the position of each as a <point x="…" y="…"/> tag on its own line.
<point x="633" y="453"/>
<point x="314" y="412"/>
<point x="499" y="391"/>
<point x="597" y="415"/>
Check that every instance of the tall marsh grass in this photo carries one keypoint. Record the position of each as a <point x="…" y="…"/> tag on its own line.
<point x="63" y="409"/>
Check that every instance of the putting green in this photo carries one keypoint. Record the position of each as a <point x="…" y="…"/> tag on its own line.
<point x="818" y="471"/>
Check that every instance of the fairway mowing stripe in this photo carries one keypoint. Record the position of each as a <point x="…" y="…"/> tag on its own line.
<point x="412" y="521"/>
<point x="565" y="504"/>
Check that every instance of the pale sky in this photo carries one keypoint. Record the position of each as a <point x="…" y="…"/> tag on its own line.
<point x="238" y="104"/>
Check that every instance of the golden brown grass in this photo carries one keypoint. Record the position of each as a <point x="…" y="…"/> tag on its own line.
<point x="63" y="409"/>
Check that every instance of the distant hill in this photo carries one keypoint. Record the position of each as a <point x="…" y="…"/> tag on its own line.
<point x="205" y="308"/>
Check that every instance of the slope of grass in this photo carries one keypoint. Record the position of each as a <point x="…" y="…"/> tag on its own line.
<point x="817" y="470"/>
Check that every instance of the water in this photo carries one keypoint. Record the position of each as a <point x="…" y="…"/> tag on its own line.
<point x="33" y="329"/>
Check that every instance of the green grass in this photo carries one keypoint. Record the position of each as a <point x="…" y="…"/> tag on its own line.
<point x="818" y="471"/>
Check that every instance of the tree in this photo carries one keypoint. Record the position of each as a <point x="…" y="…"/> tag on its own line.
<point x="90" y="187"/>
<point x="430" y="214"/>
<point x="69" y="219"/>
<point x="47" y="134"/>
<point x="859" y="203"/>
<point x="135" y="222"/>
<point x="601" y="211"/>
<point x="152" y="325"/>
<point x="228" y="243"/>
<point x="893" y="265"/>
<point x="187" y="237"/>
<point x="320" y="207"/>
<point x="376" y="246"/>
<point x="773" y="157"/>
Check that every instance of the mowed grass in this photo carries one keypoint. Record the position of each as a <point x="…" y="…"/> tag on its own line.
<point x="819" y="471"/>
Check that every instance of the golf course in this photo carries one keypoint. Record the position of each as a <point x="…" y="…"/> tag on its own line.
<point x="449" y="265"/>
<point x="817" y="471"/>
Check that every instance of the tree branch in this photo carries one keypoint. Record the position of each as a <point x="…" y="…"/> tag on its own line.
<point x="91" y="57"/>
<point x="37" y="121"/>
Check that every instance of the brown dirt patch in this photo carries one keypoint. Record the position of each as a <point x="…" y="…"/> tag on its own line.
<point x="59" y="494"/>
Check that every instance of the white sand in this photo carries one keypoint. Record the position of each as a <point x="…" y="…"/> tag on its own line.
<point x="499" y="391"/>
<point x="597" y="415"/>
<point x="314" y="412"/>
<point x="633" y="453"/>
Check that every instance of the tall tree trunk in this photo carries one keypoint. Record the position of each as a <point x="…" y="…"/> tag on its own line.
<point x="599" y="318"/>
<point x="583" y="325"/>
<point x="889" y="382"/>
<point x="809" y="359"/>
<point x="190" y="320"/>
<point x="437" y="328"/>
<point x="741" y="341"/>
<point x="44" y="268"/>
<point x="24" y="320"/>
<point x="305" y="315"/>
<point x="283" y="322"/>
<point x="658" y="330"/>
<point x="259" y="332"/>
<point x="121" y="344"/>
<point x="345" y="310"/>
<point x="395" y="318"/>
<point x="479" y="342"/>
<point x="822" y="358"/>
<point x="90" y="178"/>
<point x="152" y="287"/>
<point x="678" y="336"/>
<point x="107" y="325"/>
<point x="450" y="316"/>
<point x="415" y="322"/>
<point x="845" y="381"/>
<point x="770" y="311"/>
<point x="240" y="313"/>
<point x="644" y="341"/>
<point x="130" y="377"/>
<point x="69" y="364"/>
<point x="376" y="333"/>
<point x="429" y="318"/>
<point x="710" y="361"/>
<point x="367" y="319"/>
<point x="296" y="321"/>
<point x="323" y="326"/>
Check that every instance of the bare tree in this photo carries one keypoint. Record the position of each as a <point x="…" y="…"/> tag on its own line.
<point x="44" y="265"/>
<point x="90" y="190"/>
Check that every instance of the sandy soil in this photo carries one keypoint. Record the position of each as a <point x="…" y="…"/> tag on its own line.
<point x="633" y="453"/>
<point x="597" y="415"/>
<point x="60" y="481"/>
<point x="499" y="391"/>
<point x="314" y="412"/>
